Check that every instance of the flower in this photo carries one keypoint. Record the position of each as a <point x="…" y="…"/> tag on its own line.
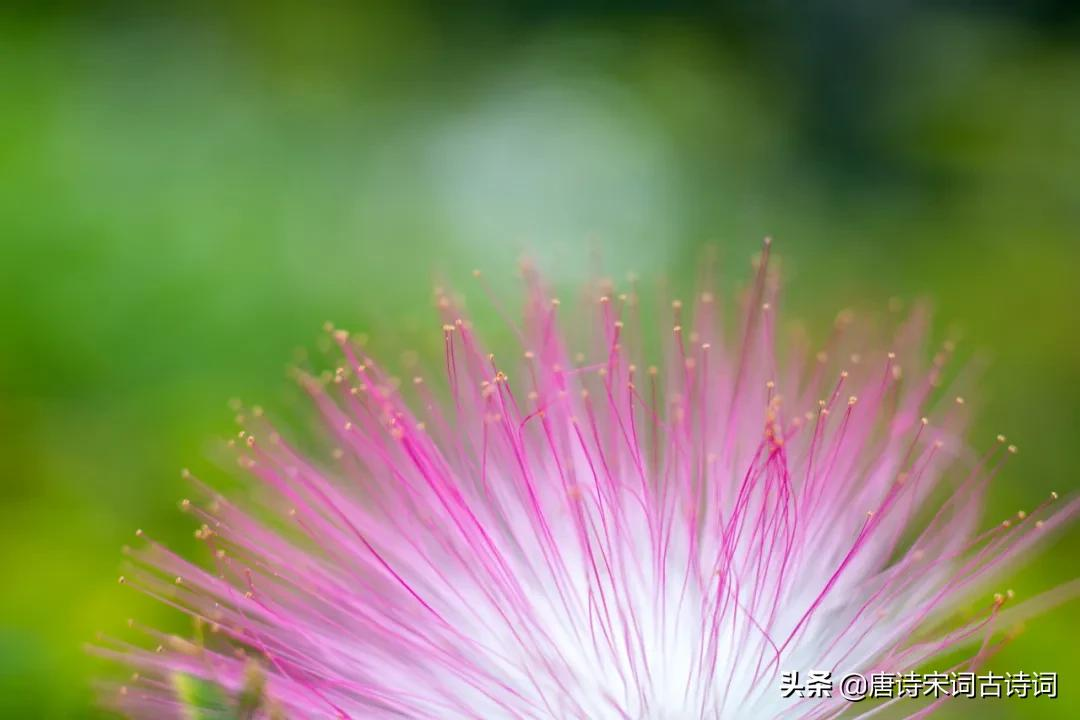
<point x="591" y="536"/>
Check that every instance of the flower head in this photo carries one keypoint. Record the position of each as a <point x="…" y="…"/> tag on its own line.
<point x="587" y="535"/>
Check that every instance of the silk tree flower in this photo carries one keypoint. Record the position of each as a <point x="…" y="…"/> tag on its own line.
<point x="580" y="534"/>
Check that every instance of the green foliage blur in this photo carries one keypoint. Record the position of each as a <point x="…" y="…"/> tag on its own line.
<point x="186" y="196"/>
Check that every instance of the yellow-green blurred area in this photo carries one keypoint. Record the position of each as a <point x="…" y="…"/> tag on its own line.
<point x="187" y="195"/>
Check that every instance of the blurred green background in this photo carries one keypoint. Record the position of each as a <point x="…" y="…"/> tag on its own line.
<point x="185" y="197"/>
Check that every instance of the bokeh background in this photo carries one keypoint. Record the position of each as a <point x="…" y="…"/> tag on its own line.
<point x="187" y="195"/>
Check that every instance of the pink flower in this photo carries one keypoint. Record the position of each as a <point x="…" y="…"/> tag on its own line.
<point x="586" y="535"/>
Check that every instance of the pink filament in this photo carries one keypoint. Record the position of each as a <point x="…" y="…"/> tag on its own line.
<point x="591" y="539"/>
